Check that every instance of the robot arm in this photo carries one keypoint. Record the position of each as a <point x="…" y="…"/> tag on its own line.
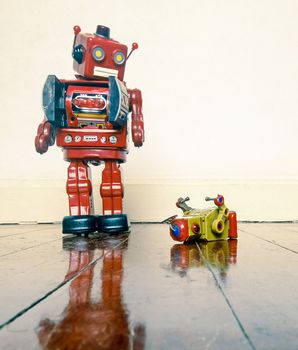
<point x="54" y="110"/>
<point x="45" y="136"/>
<point x="137" y="123"/>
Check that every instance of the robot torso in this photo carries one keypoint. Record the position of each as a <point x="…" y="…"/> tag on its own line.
<point x="87" y="114"/>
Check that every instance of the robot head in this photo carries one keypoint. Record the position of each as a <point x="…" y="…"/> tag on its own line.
<point x="97" y="56"/>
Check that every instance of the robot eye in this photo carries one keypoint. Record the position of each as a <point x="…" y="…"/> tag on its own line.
<point x="119" y="58"/>
<point x="98" y="54"/>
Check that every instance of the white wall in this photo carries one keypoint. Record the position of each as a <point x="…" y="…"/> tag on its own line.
<point x="219" y="82"/>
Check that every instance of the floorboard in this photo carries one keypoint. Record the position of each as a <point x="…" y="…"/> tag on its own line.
<point x="145" y="291"/>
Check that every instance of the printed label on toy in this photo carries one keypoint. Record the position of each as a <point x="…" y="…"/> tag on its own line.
<point x="90" y="138"/>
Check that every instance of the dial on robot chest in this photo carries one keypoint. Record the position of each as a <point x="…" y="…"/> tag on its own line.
<point x="87" y="107"/>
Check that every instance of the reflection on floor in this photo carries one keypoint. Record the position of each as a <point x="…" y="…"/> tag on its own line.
<point x="101" y="323"/>
<point x="144" y="291"/>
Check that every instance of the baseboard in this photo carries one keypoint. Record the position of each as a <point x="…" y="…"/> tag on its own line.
<point x="153" y="200"/>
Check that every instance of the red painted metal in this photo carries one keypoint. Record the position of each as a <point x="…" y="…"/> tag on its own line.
<point x="109" y="46"/>
<point x="86" y="135"/>
<point x="111" y="188"/>
<point x="79" y="189"/>
<point x="92" y="138"/>
<point x="80" y="81"/>
<point x="94" y="154"/>
<point x="195" y="227"/>
<point x="76" y="30"/>
<point x="183" y="225"/>
<point x="219" y="200"/>
<point x="233" y="224"/>
<point x="44" y="137"/>
<point x="137" y="122"/>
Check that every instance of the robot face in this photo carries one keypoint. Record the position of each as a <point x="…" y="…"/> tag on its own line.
<point x="96" y="56"/>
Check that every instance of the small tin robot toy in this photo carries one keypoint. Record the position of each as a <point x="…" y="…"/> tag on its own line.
<point x="211" y="224"/>
<point x="88" y="118"/>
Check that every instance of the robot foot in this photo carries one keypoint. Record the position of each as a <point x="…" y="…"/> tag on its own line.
<point x="117" y="223"/>
<point x="79" y="224"/>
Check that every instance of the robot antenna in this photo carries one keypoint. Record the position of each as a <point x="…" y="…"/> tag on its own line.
<point x="134" y="46"/>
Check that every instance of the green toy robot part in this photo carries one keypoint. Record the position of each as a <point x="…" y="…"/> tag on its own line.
<point x="209" y="224"/>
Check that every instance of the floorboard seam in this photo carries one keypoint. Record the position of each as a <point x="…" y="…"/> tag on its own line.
<point x="269" y="241"/>
<point x="60" y="285"/>
<point x="239" y="323"/>
<point x="26" y="232"/>
<point x="33" y="246"/>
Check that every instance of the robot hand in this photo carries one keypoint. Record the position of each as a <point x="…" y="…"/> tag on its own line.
<point x="137" y="129"/>
<point x="137" y="122"/>
<point x="45" y="137"/>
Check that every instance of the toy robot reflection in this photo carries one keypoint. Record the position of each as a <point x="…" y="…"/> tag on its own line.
<point x="88" y="117"/>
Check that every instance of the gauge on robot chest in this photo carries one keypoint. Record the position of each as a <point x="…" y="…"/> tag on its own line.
<point x="96" y="103"/>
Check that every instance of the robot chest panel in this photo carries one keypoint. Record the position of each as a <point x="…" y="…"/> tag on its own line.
<point x="87" y="106"/>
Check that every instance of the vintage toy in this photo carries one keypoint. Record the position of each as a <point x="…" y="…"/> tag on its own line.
<point x="88" y="117"/>
<point x="204" y="224"/>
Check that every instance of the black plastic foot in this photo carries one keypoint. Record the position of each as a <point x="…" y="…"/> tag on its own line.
<point x="117" y="223"/>
<point x="79" y="224"/>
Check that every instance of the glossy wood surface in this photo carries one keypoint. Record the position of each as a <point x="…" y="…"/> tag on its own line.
<point x="144" y="291"/>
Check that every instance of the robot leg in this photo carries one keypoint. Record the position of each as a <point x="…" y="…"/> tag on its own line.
<point x="111" y="190"/>
<point x="79" y="190"/>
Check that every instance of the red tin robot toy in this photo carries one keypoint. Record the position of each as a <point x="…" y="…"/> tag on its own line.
<point x="88" y="117"/>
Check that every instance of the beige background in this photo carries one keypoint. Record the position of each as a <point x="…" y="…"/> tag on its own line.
<point x="220" y="90"/>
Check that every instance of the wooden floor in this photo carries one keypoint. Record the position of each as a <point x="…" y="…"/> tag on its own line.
<point x="144" y="291"/>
